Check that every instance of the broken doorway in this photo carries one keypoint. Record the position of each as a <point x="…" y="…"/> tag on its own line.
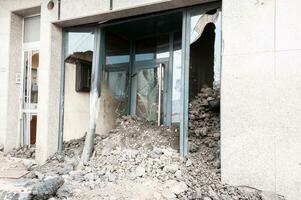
<point x="138" y="65"/>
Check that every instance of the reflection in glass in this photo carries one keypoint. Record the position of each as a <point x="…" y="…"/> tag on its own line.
<point x="117" y="50"/>
<point x="80" y="42"/>
<point x="148" y="94"/>
<point x="34" y="76"/>
<point x="152" y="48"/>
<point x="119" y="90"/>
<point x="176" y="85"/>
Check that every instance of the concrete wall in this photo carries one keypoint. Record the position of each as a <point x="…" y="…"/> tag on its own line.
<point x="4" y="54"/>
<point x="77" y="110"/>
<point x="10" y="53"/>
<point x="261" y="94"/>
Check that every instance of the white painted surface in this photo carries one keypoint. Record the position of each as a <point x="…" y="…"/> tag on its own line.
<point x="4" y="54"/>
<point x="261" y="92"/>
<point x="76" y="117"/>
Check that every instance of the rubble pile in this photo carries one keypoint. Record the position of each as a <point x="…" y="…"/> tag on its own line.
<point x="204" y="127"/>
<point x="23" y="152"/>
<point x="136" y="160"/>
<point x="139" y="160"/>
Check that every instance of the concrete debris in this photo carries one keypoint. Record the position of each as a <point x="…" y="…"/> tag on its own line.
<point x="204" y="127"/>
<point x="139" y="160"/>
<point x="23" y="152"/>
<point x="1" y="147"/>
<point x="47" y="188"/>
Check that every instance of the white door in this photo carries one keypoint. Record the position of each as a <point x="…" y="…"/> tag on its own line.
<point x="29" y="96"/>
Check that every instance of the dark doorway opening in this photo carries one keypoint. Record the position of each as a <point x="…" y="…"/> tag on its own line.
<point x="201" y="71"/>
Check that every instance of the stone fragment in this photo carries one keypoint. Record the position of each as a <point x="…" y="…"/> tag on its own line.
<point x="46" y="189"/>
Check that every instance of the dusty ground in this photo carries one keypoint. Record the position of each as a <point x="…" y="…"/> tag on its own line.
<point x="138" y="160"/>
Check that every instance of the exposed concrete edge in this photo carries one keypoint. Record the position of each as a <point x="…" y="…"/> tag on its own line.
<point x="28" y="11"/>
<point x="130" y="12"/>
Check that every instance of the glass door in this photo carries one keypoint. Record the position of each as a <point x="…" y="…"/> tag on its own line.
<point x="150" y="93"/>
<point x="29" y="97"/>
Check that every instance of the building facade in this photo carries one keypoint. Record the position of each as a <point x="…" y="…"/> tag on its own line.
<point x="72" y="67"/>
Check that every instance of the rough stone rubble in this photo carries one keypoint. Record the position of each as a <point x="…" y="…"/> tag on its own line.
<point x="138" y="160"/>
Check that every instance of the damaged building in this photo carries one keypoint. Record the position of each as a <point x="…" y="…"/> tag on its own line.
<point x="72" y="68"/>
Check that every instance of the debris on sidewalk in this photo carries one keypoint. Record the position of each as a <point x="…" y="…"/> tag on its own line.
<point x="23" y="152"/>
<point x="139" y="160"/>
<point x="47" y="188"/>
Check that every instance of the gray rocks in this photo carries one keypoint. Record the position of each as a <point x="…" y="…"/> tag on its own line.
<point x="46" y="189"/>
<point x="23" y="152"/>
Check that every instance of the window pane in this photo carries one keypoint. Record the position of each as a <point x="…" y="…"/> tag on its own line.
<point x="152" y="48"/>
<point x="34" y="76"/>
<point x="80" y="42"/>
<point x="148" y="94"/>
<point x="176" y="85"/>
<point x="117" y="50"/>
<point x="32" y="29"/>
<point x="117" y="83"/>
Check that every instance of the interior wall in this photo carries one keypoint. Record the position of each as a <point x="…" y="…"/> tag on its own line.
<point x="107" y="113"/>
<point x="201" y="71"/>
<point x="77" y="110"/>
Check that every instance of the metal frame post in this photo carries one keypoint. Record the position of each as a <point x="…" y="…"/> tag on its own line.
<point x="185" y="83"/>
<point x="62" y="92"/>
<point x="169" y="78"/>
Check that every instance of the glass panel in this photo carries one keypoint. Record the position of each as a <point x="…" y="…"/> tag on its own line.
<point x="117" y="84"/>
<point x="34" y="77"/>
<point x="80" y="42"/>
<point x="152" y="47"/>
<point x="117" y="58"/>
<point x="78" y="63"/>
<point x="79" y="49"/>
<point x="148" y="94"/>
<point x="117" y="50"/>
<point x="176" y="85"/>
<point x="32" y="29"/>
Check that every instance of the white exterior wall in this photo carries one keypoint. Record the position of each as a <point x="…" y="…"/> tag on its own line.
<point x="261" y="92"/>
<point x="4" y="54"/>
<point x="10" y="51"/>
